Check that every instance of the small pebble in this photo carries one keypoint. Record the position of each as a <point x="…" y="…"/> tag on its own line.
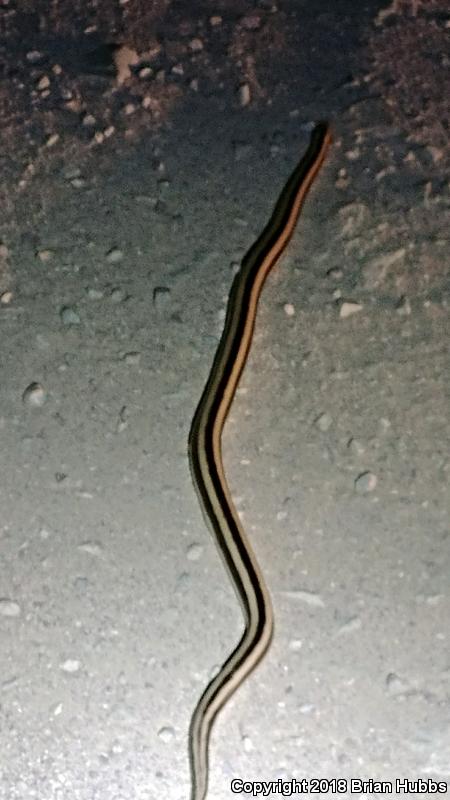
<point x="351" y="625"/>
<point x="335" y="273"/>
<point x="306" y="708"/>
<point x="122" y="422"/>
<point x="194" y="552"/>
<point x="343" y="180"/>
<point x="114" y="256"/>
<point x="215" y="21"/>
<point x="166" y="734"/>
<point x="196" y="45"/>
<point x="43" y="83"/>
<point x="244" y="95"/>
<point x="70" y="665"/>
<point x="72" y="103"/>
<point x="323" y="422"/>
<point x="33" y="56"/>
<point x="403" y="307"/>
<point x="45" y="255"/>
<point x="70" y="172"/>
<point x="356" y="447"/>
<point x="52" y="140"/>
<point x="6" y="298"/>
<point x="309" y="598"/>
<point x="118" y="295"/>
<point x="34" y="395"/>
<point x="91" y="547"/>
<point x="289" y="309"/>
<point x="349" y="308"/>
<point x="69" y="316"/>
<point x="161" y="297"/>
<point x="8" y="608"/>
<point x="366" y="482"/>
<point x="81" y="584"/>
<point x="94" y="294"/>
<point x="124" y="58"/>
<point x="354" y="154"/>
<point x="132" y="358"/>
<point x="395" y="685"/>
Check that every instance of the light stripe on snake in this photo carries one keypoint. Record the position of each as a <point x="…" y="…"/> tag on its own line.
<point x="205" y="456"/>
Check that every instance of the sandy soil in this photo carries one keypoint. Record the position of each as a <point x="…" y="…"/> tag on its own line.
<point x="143" y="148"/>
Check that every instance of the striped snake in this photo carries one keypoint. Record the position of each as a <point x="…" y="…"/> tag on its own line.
<point x="205" y="456"/>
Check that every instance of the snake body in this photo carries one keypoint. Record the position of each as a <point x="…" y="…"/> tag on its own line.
<point x="206" y="464"/>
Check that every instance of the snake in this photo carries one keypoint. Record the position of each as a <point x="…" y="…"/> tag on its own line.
<point x="206" y="464"/>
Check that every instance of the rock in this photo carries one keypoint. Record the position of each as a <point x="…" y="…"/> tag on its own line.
<point x="34" y="395"/>
<point x="348" y="308"/>
<point x="69" y="316"/>
<point x="366" y="482"/>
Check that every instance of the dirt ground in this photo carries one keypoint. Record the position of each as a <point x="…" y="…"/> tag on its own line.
<point x="142" y="148"/>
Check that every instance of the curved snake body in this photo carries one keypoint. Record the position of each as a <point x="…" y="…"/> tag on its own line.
<point x="205" y="456"/>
